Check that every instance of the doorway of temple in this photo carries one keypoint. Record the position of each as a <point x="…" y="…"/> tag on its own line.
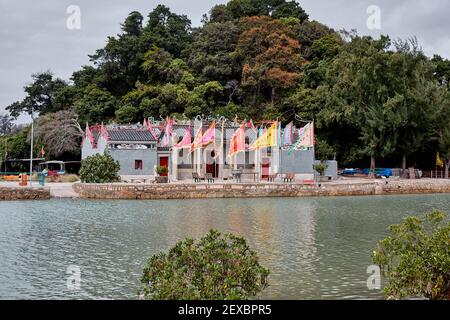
<point x="213" y="166"/>
<point x="164" y="162"/>
<point x="265" y="165"/>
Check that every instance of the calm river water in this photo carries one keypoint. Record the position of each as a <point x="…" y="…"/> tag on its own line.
<point x="316" y="248"/>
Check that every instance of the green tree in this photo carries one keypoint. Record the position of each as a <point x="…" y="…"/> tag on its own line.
<point x="308" y="32"/>
<point x="289" y="9"/>
<point x="127" y="114"/>
<point x="215" y="267"/>
<point x="17" y="144"/>
<point x="162" y="68"/>
<point x="323" y="150"/>
<point x="237" y="9"/>
<point x="363" y="84"/>
<point x="96" y="105"/>
<point x="99" y="168"/>
<point x="442" y="130"/>
<point x="210" y="93"/>
<point x="212" y="55"/>
<point x="133" y="24"/>
<point x="441" y="113"/>
<point x="415" y="258"/>
<point x="40" y="95"/>
<point x="168" y="30"/>
<point x="442" y="70"/>
<point x="6" y="124"/>
<point x="119" y="62"/>
<point x="326" y="47"/>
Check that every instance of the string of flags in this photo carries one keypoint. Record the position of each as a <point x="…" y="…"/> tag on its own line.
<point x="269" y="135"/>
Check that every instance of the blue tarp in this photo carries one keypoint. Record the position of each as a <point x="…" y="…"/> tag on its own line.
<point x="349" y="171"/>
<point x="381" y="172"/>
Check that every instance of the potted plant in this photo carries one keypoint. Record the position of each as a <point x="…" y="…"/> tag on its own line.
<point x="320" y="169"/>
<point x="162" y="174"/>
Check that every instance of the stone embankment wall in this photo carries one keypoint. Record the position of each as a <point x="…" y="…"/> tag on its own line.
<point x="24" y="193"/>
<point x="250" y="190"/>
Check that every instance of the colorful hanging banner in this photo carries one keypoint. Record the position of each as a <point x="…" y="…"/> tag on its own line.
<point x="89" y="134"/>
<point x="237" y="143"/>
<point x="210" y="135"/>
<point x="151" y="129"/>
<point x="186" y="141"/>
<point x="104" y="132"/>
<point x="168" y="130"/>
<point x="306" y="137"/>
<point x="251" y="125"/>
<point x="269" y="138"/>
<point x="197" y="139"/>
<point x="288" y="138"/>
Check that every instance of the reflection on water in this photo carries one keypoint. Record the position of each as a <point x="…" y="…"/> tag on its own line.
<point x="316" y="248"/>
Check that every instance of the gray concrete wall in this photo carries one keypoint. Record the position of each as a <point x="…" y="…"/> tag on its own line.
<point x="127" y="157"/>
<point x="87" y="150"/>
<point x="297" y="161"/>
<point x="332" y="170"/>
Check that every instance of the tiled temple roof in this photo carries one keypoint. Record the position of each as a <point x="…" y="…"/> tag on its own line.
<point x="138" y="133"/>
<point x="130" y="135"/>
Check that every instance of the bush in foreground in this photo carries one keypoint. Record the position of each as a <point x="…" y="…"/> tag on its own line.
<point x="99" y="168"/>
<point x="216" y="267"/>
<point x="415" y="258"/>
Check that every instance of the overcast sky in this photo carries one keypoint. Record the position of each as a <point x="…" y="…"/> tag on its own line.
<point x="34" y="36"/>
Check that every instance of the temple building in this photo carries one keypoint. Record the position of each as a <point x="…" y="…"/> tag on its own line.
<point x="204" y="148"/>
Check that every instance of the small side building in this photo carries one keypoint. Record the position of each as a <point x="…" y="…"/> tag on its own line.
<point x="134" y="147"/>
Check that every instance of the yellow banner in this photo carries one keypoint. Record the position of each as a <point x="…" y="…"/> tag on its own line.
<point x="439" y="162"/>
<point x="268" y="139"/>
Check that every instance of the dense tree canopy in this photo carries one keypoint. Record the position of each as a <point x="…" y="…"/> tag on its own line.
<point x="370" y="98"/>
<point x="41" y="96"/>
<point x="6" y="124"/>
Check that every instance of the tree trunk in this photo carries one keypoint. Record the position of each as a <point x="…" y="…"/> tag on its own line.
<point x="372" y="167"/>
<point x="404" y="173"/>
<point x="447" y="166"/>
<point x="272" y="96"/>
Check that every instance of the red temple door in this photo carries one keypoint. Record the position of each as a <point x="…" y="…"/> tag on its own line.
<point x="164" y="162"/>
<point x="265" y="167"/>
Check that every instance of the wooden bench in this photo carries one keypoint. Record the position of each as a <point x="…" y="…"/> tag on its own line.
<point x="209" y="177"/>
<point x="289" y="177"/>
<point x="272" y="177"/>
<point x="236" y="175"/>
<point x="196" y="177"/>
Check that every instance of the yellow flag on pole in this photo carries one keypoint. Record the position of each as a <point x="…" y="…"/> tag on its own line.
<point x="439" y="162"/>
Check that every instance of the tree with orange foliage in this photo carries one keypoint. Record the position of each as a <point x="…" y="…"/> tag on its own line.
<point x="270" y="55"/>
